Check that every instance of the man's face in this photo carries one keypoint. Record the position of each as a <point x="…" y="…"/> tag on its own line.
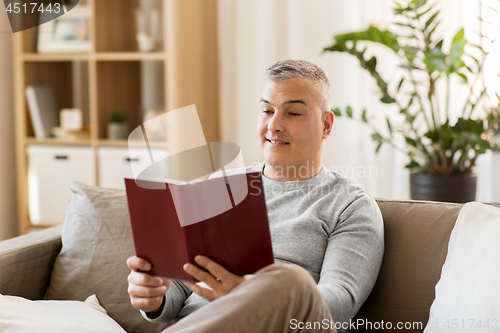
<point x="290" y="127"/>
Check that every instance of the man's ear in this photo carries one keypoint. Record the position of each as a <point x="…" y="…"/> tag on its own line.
<point x="328" y="118"/>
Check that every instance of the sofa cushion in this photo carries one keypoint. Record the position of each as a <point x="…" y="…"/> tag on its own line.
<point x="96" y="242"/>
<point x="468" y="292"/>
<point x="22" y="315"/>
<point x="416" y="240"/>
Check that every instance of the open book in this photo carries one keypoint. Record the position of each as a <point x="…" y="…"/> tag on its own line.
<point x="223" y="218"/>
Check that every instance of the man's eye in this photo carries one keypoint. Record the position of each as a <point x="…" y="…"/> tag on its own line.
<point x="294" y="114"/>
<point x="267" y="111"/>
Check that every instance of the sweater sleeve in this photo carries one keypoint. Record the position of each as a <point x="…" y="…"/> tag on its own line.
<point x="176" y="294"/>
<point x="352" y="258"/>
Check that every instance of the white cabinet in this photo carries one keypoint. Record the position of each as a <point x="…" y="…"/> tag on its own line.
<point x="115" y="164"/>
<point x="51" y="171"/>
<point x="496" y="176"/>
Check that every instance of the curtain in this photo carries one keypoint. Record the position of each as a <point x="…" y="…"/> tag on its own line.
<point x="254" y="34"/>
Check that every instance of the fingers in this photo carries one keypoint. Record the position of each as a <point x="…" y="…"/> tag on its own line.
<point x="138" y="264"/>
<point x="200" y="274"/>
<point x="220" y="280"/>
<point x="147" y="304"/>
<point x="141" y="291"/>
<point x="146" y="291"/>
<point x="207" y="294"/>
<point x="144" y="279"/>
<point x="148" y="299"/>
<point x="214" y="268"/>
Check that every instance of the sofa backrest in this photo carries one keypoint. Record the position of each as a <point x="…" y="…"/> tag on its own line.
<point x="96" y="242"/>
<point x="416" y="243"/>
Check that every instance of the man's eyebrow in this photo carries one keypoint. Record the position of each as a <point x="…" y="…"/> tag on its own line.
<point x="262" y="100"/>
<point x="296" y="101"/>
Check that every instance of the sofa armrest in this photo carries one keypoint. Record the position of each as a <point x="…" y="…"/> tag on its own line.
<point x="26" y="262"/>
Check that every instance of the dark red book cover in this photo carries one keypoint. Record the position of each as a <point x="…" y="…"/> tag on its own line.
<point x="223" y="218"/>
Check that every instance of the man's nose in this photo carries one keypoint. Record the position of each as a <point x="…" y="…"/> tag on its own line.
<point x="276" y="123"/>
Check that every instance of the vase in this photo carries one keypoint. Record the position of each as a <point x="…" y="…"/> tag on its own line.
<point x="459" y="188"/>
<point x="117" y="131"/>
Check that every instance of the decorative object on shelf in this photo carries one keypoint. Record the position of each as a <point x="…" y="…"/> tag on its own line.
<point x="65" y="34"/>
<point x="437" y="143"/>
<point x="148" y="26"/>
<point x="43" y="109"/>
<point x="70" y="135"/>
<point x="117" y="126"/>
<point x="155" y="124"/>
<point x="71" y="119"/>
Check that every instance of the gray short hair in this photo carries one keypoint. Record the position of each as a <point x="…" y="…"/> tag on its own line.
<point x="290" y="69"/>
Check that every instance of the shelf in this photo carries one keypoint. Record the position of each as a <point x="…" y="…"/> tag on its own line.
<point x="68" y="80"/>
<point x="128" y="56"/>
<point x="126" y="143"/>
<point x="115" y="20"/>
<point x="55" y="57"/>
<point x="116" y="75"/>
<point x="102" y="56"/>
<point x="58" y="142"/>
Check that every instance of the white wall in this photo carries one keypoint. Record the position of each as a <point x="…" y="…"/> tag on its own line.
<point x="8" y="195"/>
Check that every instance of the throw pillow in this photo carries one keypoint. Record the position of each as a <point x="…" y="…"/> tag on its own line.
<point x="96" y="242"/>
<point x="468" y="292"/>
<point x="21" y="315"/>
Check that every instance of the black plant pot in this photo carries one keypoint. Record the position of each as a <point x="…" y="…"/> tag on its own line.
<point x="459" y="188"/>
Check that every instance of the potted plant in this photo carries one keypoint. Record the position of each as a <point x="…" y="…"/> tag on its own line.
<point x="117" y="126"/>
<point x="442" y="149"/>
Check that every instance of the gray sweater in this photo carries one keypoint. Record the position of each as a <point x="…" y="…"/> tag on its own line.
<point x="328" y="225"/>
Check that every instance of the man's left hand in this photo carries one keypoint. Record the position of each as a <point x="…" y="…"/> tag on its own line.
<point x="218" y="278"/>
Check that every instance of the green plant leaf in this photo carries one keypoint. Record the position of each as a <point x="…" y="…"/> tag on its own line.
<point x="400" y="84"/>
<point x="424" y="12"/>
<point x="372" y="63"/>
<point x="409" y="102"/>
<point x="372" y="34"/>
<point x="406" y="25"/>
<point x="389" y="126"/>
<point x="418" y="3"/>
<point x="411" y="142"/>
<point x="387" y="100"/>
<point x="363" y="116"/>
<point x="435" y="59"/>
<point x="378" y="147"/>
<point x="377" y="137"/>
<point x="409" y="67"/>
<point x="464" y="78"/>
<point x="412" y="165"/>
<point x="456" y="52"/>
<point x="337" y="112"/>
<point x="117" y="116"/>
<point x="430" y="20"/>
<point x="433" y="135"/>
<point x="348" y="111"/>
<point x="431" y="32"/>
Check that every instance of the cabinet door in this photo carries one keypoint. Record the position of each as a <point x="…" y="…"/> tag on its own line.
<point x="51" y="171"/>
<point x="115" y="164"/>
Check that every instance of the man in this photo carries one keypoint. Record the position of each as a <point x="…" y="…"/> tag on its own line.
<point x="327" y="233"/>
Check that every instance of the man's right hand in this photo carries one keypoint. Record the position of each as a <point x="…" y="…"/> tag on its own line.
<point x="146" y="291"/>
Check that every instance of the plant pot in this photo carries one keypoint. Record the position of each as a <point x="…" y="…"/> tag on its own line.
<point x="460" y="188"/>
<point x="117" y="131"/>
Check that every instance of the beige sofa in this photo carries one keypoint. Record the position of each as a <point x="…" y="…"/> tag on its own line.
<point x="416" y="236"/>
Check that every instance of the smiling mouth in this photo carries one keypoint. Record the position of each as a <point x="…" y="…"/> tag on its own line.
<point x="278" y="142"/>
